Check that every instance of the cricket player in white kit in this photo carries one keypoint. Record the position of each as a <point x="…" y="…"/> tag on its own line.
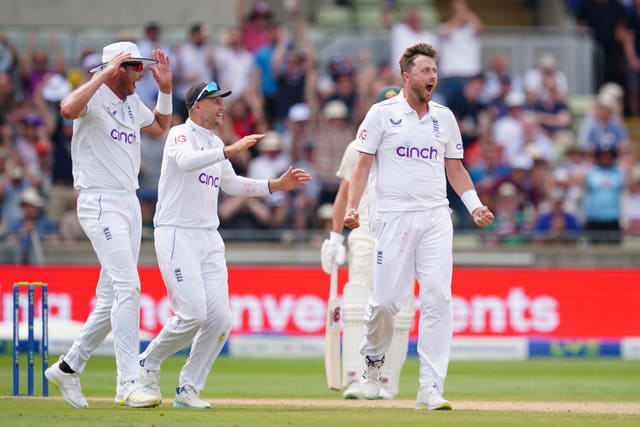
<point x="357" y="290"/>
<point x="189" y="248"/>
<point x="105" y="150"/>
<point x="411" y="145"/>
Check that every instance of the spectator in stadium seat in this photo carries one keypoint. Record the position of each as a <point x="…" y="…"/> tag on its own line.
<point x="404" y="33"/>
<point x="513" y="222"/>
<point x="497" y="75"/>
<point x="604" y="128"/>
<point x="605" y="20"/>
<point x="461" y="49"/>
<point x="508" y="128"/>
<point x="604" y="184"/>
<point x="32" y="228"/>
<point x="534" y="79"/>
<point x="146" y="88"/>
<point x="333" y="133"/>
<point x="256" y="24"/>
<point x="630" y="217"/>
<point x="194" y="62"/>
<point x="35" y="63"/>
<point x="552" y="112"/>
<point x="555" y="224"/>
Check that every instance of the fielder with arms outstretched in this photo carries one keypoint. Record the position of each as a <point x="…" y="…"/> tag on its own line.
<point x="357" y="290"/>
<point x="189" y="249"/>
<point x="411" y="146"/>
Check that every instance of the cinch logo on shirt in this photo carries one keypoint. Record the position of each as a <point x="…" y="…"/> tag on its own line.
<point x="428" y="153"/>
<point x="121" y="136"/>
<point x="209" y="180"/>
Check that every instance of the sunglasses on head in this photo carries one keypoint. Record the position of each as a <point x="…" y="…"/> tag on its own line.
<point x="209" y="88"/>
<point x="137" y="66"/>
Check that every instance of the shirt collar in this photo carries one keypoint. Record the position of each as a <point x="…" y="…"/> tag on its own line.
<point x="407" y="109"/>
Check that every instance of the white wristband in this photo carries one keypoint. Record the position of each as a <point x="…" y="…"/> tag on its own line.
<point x="336" y="238"/>
<point x="164" y="105"/>
<point x="471" y="200"/>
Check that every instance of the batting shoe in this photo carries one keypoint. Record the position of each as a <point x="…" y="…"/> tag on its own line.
<point x="188" y="397"/>
<point x="386" y="394"/>
<point x="150" y="380"/>
<point x="431" y="399"/>
<point x="370" y="382"/>
<point x="68" y="384"/>
<point x="135" y="394"/>
<point x="352" y="391"/>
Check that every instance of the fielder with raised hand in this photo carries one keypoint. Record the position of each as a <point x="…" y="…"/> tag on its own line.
<point x="189" y="249"/>
<point x="357" y="291"/>
<point x="105" y="150"/>
<point x="411" y="145"/>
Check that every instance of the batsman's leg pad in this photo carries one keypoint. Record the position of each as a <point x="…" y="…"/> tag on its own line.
<point x="354" y="299"/>
<point x="397" y="353"/>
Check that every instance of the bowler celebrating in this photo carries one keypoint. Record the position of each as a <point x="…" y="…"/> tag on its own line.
<point x="411" y="146"/>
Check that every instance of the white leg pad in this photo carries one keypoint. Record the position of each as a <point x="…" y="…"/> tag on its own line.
<point x="397" y="353"/>
<point x="354" y="299"/>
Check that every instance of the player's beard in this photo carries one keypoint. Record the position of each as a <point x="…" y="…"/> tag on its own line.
<point x="420" y="92"/>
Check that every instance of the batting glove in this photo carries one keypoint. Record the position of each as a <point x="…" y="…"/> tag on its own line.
<point x="332" y="251"/>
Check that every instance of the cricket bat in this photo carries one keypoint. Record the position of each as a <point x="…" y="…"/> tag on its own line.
<point x="332" y="335"/>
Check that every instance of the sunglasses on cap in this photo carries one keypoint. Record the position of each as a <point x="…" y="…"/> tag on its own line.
<point x="137" y="66"/>
<point x="209" y="88"/>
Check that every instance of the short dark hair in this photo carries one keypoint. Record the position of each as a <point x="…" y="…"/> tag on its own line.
<point x="410" y="54"/>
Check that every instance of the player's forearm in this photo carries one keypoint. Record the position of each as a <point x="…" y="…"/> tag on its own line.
<point x="75" y="104"/>
<point x="340" y="207"/>
<point x="358" y="181"/>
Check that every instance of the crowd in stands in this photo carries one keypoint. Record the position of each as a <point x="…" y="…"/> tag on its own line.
<point x="548" y="175"/>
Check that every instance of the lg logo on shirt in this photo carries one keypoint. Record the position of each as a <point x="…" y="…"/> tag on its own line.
<point x="209" y="180"/>
<point x="120" y="136"/>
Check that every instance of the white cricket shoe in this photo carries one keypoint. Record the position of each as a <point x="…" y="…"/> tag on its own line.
<point x="370" y="382"/>
<point x="352" y="391"/>
<point x="431" y="399"/>
<point x="150" y="380"/>
<point x="135" y="394"/>
<point x="68" y="384"/>
<point x="188" y="397"/>
<point x="386" y="394"/>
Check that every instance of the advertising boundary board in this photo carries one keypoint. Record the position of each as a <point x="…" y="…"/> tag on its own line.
<point x="498" y="312"/>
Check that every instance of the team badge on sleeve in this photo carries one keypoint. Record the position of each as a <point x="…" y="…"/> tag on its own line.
<point x="179" y="139"/>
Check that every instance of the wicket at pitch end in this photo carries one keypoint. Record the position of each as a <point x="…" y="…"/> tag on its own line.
<point x="30" y="344"/>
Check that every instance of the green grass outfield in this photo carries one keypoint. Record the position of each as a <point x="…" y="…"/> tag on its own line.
<point x="292" y="392"/>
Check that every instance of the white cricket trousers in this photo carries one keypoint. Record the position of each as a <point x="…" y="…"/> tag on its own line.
<point x="113" y="223"/>
<point x="193" y="266"/>
<point x="412" y="245"/>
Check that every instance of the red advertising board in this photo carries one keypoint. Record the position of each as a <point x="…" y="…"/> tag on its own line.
<point x="553" y="303"/>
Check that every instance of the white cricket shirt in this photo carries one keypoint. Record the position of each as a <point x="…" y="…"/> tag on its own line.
<point x="193" y="171"/>
<point x="408" y="171"/>
<point x="105" y="148"/>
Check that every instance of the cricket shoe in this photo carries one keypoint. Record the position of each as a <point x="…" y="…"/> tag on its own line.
<point x="188" y="397"/>
<point x="150" y="380"/>
<point x="370" y="382"/>
<point x="135" y="394"/>
<point x="352" y="391"/>
<point x="431" y="399"/>
<point x="386" y="394"/>
<point x="68" y="384"/>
